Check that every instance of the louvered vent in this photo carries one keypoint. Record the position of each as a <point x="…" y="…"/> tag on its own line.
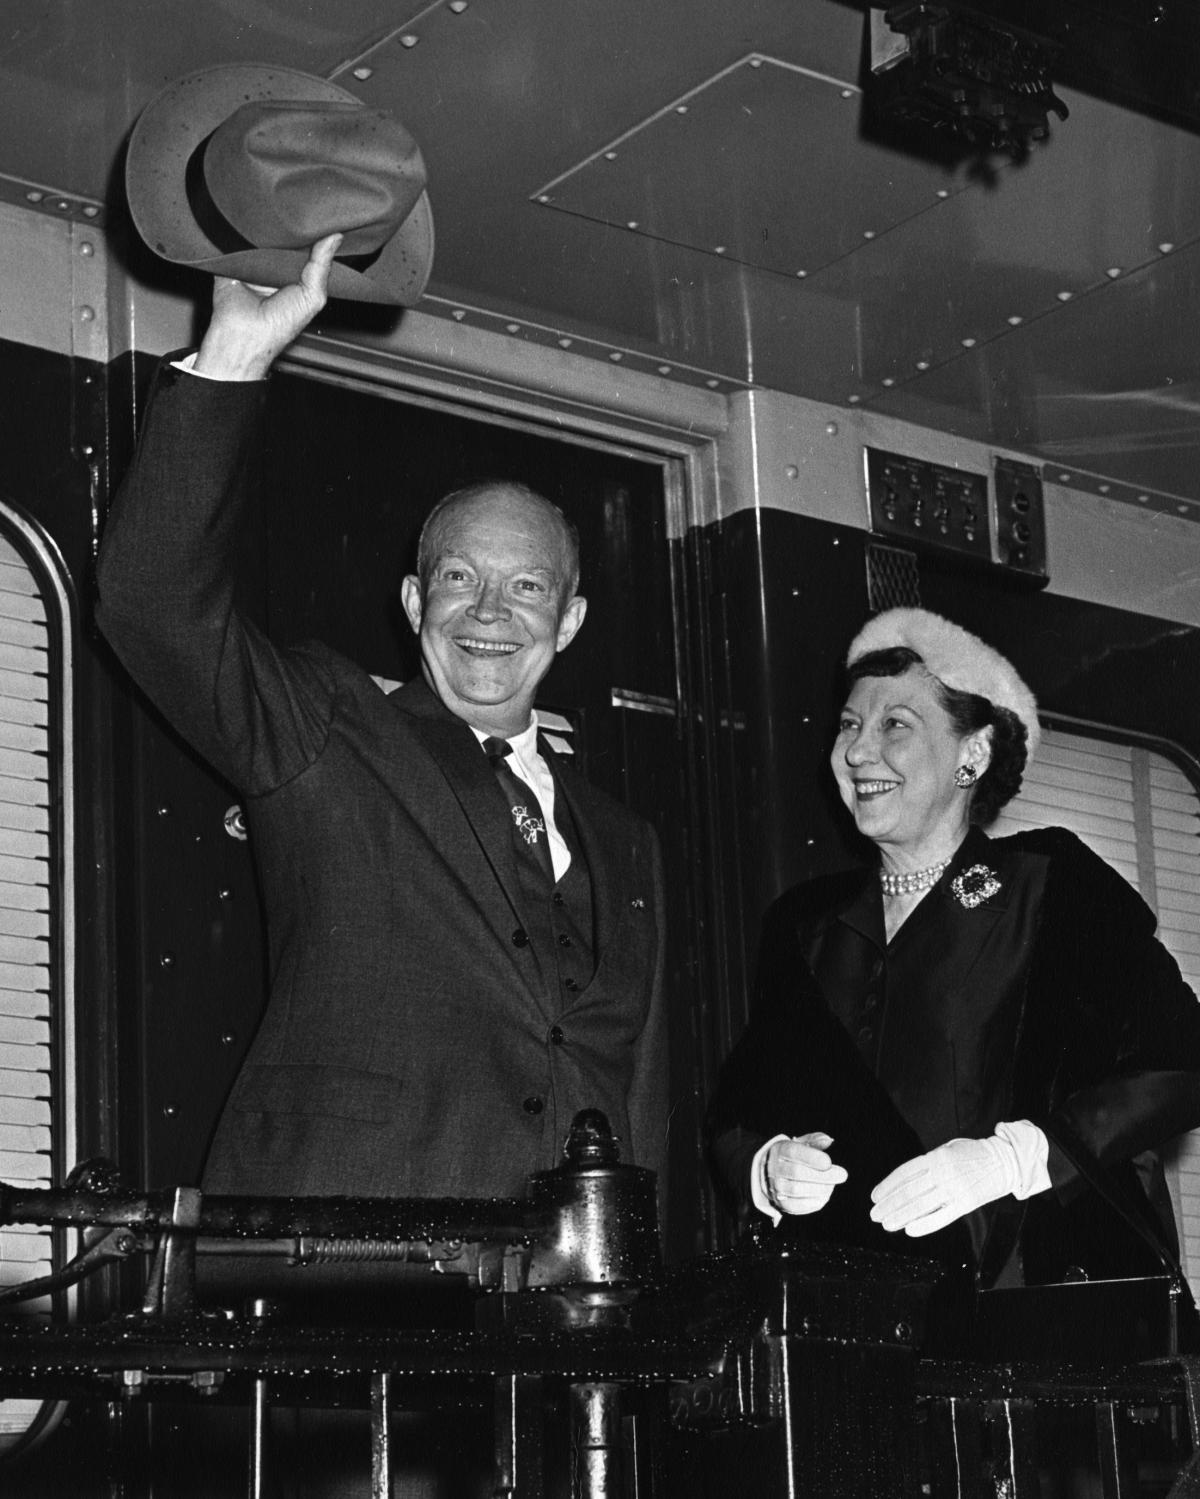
<point x="1141" y="813"/>
<point x="35" y="875"/>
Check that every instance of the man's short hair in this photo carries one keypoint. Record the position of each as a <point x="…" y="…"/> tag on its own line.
<point x="427" y="543"/>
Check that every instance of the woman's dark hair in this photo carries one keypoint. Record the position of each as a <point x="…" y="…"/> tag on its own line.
<point x="968" y="713"/>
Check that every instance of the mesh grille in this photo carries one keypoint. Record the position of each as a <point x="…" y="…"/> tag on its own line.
<point x="892" y="581"/>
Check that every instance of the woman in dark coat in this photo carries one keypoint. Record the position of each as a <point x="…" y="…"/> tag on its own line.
<point x="971" y="1041"/>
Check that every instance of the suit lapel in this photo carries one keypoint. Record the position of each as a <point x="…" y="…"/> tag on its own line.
<point x="607" y="857"/>
<point x="460" y="759"/>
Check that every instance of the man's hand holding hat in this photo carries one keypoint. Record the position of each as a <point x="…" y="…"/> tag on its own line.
<point x="252" y="325"/>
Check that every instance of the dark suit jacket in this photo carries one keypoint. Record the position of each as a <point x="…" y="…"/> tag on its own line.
<point x="414" y="1041"/>
<point x="1101" y="1049"/>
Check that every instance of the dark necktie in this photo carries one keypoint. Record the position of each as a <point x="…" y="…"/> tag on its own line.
<point x="530" y="836"/>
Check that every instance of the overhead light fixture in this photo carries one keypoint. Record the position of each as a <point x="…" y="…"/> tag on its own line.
<point x="963" y="74"/>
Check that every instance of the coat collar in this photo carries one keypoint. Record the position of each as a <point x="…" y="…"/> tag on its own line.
<point x="862" y="907"/>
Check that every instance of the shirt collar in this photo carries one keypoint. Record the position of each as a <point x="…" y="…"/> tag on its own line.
<point x="524" y="744"/>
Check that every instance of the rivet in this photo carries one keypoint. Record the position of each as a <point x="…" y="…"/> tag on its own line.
<point x="408" y="40"/>
<point x="889" y="381"/>
<point x="362" y="74"/>
<point x="1016" y="320"/>
<point x="795" y="593"/>
<point x="166" y="960"/>
<point x="1104" y="488"/>
<point x="164" y="809"/>
<point x="664" y="369"/>
<point x="718" y="249"/>
<point x="565" y="343"/>
<point x="87" y="314"/>
<point x="713" y="384"/>
<point x="681" y="109"/>
<point x="87" y="248"/>
<point x="868" y="234"/>
<point x="458" y="6"/>
<point x="854" y="400"/>
<point x="512" y="327"/>
<point x="458" y="314"/>
<point x="34" y="196"/>
<point x="1143" y="499"/>
<point x="1166" y="247"/>
<point x="610" y="156"/>
<point x="616" y="356"/>
<point x="922" y="364"/>
<point x="91" y="211"/>
<point x="63" y="205"/>
<point x="968" y="343"/>
<point x="831" y="429"/>
<point x="756" y="62"/>
<point x="847" y="93"/>
<point x="225" y="893"/>
<point x="810" y="842"/>
<point x="1065" y="296"/>
<point x="170" y="1110"/>
<point x="1183" y="509"/>
<point x="1064" y="478"/>
<point x="88" y="450"/>
<point x="837" y="541"/>
<point x="943" y="192"/>
<point x="631" y="224"/>
<point x="792" y="471"/>
<point x="228" y="1038"/>
<point x="1113" y="272"/>
<point x="802" y="274"/>
<point x="543" y="197"/>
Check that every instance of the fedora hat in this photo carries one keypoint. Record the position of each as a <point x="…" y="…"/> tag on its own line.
<point x="239" y="170"/>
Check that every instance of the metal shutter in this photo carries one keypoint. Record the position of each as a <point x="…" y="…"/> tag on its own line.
<point x="36" y="1047"/>
<point x="1141" y="812"/>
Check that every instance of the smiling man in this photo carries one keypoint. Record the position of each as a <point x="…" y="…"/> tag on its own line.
<point x="465" y="937"/>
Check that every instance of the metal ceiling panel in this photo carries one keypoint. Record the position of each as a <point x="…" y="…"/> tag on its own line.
<point x="763" y="163"/>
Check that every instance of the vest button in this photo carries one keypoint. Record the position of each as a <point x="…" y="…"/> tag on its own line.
<point x="866" y="1035"/>
<point x="571" y="984"/>
<point x="557" y="1035"/>
<point x="563" y="940"/>
<point x="558" y="898"/>
<point x="533" y="1105"/>
<point x="520" y="938"/>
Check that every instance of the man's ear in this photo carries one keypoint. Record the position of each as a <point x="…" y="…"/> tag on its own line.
<point x="412" y="597"/>
<point x="568" y="625"/>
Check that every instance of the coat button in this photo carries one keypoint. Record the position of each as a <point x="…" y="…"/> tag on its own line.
<point x="866" y="1035"/>
<point x="533" y="1105"/>
<point x="571" y="984"/>
<point x="563" y="940"/>
<point x="637" y="903"/>
<point x="557" y="1035"/>
<point x="520" y="938"/>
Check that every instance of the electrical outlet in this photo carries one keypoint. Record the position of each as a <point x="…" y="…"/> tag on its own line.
<point x="924" y="503"/>
<point x="1020" y="519"/>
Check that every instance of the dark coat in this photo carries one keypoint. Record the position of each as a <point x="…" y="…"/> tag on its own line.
<point x="416" y="1040"/>
<point x="1102" y="1053"/>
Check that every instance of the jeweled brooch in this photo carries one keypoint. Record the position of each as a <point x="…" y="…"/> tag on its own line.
<point x="975" y="885"/>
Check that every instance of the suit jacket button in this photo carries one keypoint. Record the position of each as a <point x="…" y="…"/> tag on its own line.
<point x="638" y="903"/>
<point x="533" y="1105"/>
<point x="557" y="1035"/>
<point x="520" y="938"/>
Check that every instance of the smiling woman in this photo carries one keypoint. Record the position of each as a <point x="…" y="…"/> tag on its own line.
<point x="943" y="1043"/>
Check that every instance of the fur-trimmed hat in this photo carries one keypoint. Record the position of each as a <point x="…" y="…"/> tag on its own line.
<point x="954" y="656"/>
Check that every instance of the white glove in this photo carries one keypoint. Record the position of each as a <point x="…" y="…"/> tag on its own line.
<point x="934" y="1190"/>
<point x="794" y="1175"/>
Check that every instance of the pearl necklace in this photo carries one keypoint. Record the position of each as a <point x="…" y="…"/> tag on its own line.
<point x="918" y="879"/>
